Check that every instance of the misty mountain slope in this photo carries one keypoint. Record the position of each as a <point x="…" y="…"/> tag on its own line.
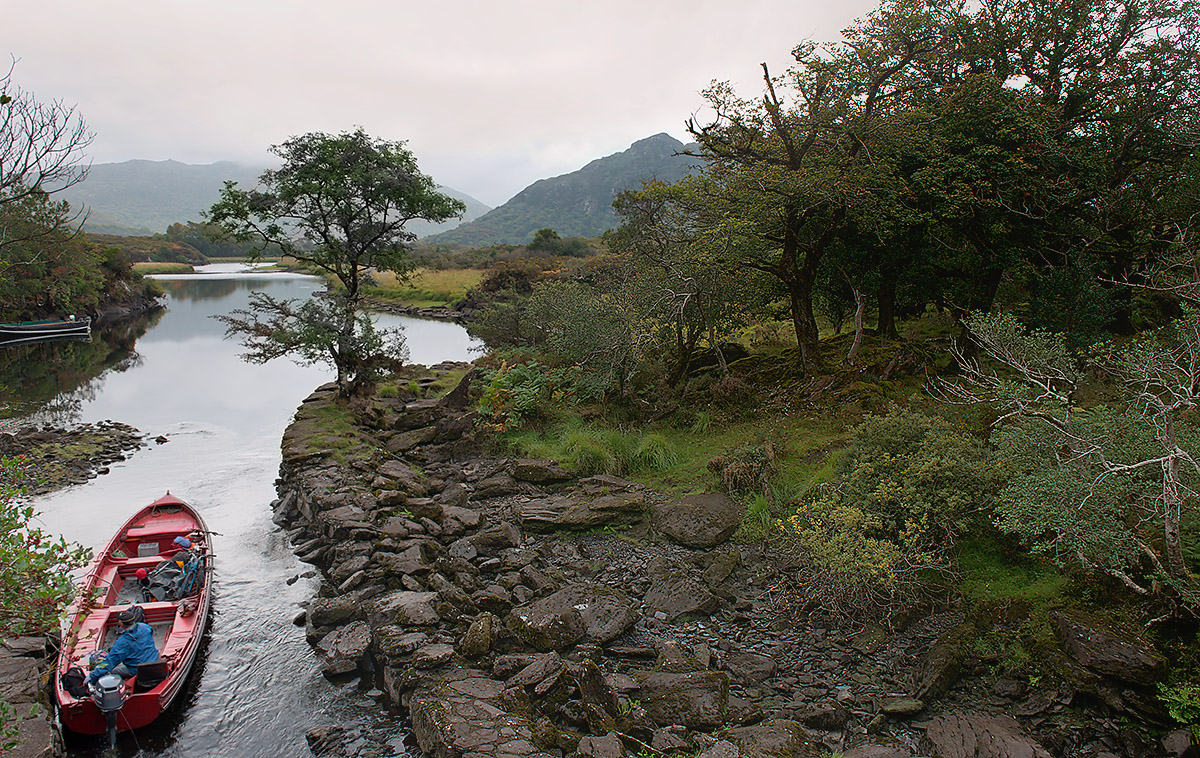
<point x="140" y="198"/>
<point x="578" y="204"/>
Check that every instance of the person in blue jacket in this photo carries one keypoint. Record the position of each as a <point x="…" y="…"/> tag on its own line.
<point x="134" y="646"/>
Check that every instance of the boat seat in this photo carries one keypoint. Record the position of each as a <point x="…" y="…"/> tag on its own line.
<point x="150" y="675"/>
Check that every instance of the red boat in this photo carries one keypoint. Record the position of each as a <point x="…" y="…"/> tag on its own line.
<point x="175" y="601"/>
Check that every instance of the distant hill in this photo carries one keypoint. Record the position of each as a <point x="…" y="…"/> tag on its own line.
<point x="140" y="198"/>
<point x="578" y="204"/>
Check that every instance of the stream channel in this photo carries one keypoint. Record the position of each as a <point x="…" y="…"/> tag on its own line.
<point x="258" y="687"/>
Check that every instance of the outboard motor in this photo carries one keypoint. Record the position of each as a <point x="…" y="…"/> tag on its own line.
<point x="109" y="693"/>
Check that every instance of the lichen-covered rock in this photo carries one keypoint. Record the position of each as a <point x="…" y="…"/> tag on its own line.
<point x="496" y="538"/>
<point x="396" y="642"/>
<point x="608" y="746"/>
<point x="563" y="512"/>
<point x="546" y="627"/>
<point x="750" y="668"/>
<point x="333" y="611"/>
<point x="673" y="593"/>
<point x="1102" y="647"/>
<point x="539" y="471"/>
<point x="402" y="476"/>
<point x="973" y="735"/>
<point x="461" y="714"/>
<point x="403" y="607"/>
<point x="344" y="648"/>
<point x="432" y="656"/>
<point x="696" y="699"/>
<point x="774" y="738"/>
<point x="701" y="521"/>
<point x="479" y="637"/>
<point x="577" y="612"/>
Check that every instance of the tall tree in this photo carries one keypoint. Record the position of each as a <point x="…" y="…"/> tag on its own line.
<point x="673" y="251"/>
<point x="41" y="151"/>
<point x="1120" y="79"/>
<point x="793" y="166"/>
<point x="340" y="204"/>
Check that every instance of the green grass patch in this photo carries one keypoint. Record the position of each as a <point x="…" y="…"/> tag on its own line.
<point x="673" y="457"/>
<point x="988" y="577"/>
<point x="426" y="288"/>
<point x="151" y="267"/>
<point x="329" y="429"/>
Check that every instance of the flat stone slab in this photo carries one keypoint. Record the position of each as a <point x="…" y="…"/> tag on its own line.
<point x="977" y="735"/>
<point x="700" y="521"/>
<point x="459" y="715"/>
<point x="577" y="612"/>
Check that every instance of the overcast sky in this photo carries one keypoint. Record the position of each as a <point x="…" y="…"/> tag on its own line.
<point x="490" y="95"/>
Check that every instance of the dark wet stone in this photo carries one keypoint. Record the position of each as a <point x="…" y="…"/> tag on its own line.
<point x="974" y="735"/>
<point x="701" y="521"/>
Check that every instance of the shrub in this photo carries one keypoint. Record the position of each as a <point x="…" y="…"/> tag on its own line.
<point x="519" y="393"/>
<point x="906" y="468"/>
<point x="851" y="572"/>
<point x="747" y="468"/>
<point x="905" y="489"/>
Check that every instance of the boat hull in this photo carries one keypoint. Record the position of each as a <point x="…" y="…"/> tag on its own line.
<point x="179" y="624"/>
<point x="27" y="330"/>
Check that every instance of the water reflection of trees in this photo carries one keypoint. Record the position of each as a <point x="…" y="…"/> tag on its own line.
<point x="208" y="288"/>
<point x="47" y="383"/>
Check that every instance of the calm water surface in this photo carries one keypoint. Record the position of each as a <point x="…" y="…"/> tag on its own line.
<point x="259" y="688"/>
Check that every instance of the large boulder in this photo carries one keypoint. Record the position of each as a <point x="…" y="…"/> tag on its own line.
<point x="343" y="649"/>
<point x="774" y="738"/>
<point x="695" y="699"/>
<point x="479" y="637"/>
<point x="398" y="475"/>
<point x="462" y="713"/>
<point x="976" y="735"/>
<point x="403" y="608"/>
<point x="750" y="668"/>
<point x="539" y="471"/>
<point x="700" y="521"/>
<point x="333" y="611"/>
<point x="546" y="627"/>
<point x="576" y="613"/>
<point x="1107" y="650"/>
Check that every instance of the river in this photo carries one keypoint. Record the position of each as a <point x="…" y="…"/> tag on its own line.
<point x="258" y="688"/>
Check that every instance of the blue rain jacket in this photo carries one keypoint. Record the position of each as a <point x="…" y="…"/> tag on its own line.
<point x="131" y="648"/>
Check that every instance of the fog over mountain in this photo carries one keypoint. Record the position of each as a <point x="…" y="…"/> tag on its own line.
<point x="141" y="198"/>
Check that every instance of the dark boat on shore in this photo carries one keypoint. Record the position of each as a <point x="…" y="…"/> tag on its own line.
<point x="175" y="604"/>
<point x="29" y="331"/>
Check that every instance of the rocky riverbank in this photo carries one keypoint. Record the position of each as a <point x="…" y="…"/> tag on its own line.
<point x="58" y="458"/>
<point x="435" y="312"/>
<point x="515" y="611"/>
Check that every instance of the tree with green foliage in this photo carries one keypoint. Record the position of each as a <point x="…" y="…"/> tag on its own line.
<point x="672" y="249"/>
<point x="339" y="204"/>
<point x="1108" y="486"/>
<point x="789" y="170"/>
<point x="35" y="583"/>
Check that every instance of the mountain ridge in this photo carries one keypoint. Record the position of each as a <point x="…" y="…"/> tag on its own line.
<point x="575" y="204"/>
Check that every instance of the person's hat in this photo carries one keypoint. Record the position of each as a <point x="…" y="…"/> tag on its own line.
<point x="141" y="573"/>
<point x="127" y="616"/>
<point x="183" y="542"/>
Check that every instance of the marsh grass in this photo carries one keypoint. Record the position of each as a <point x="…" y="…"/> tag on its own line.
<point x="426" y="287"/>
<point x="151" y="267"/>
